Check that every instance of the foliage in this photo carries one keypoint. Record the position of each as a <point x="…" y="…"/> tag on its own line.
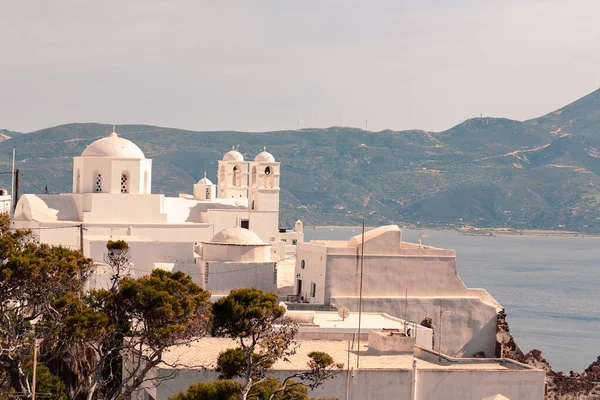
<point x="36" y="283"/>
<point x="270" y="388"/>
<point x="265" y="335"/>
<point x="117" y="258"/>
<point x="146" y="316"/>
<point x="214" y="390"/>
<point x="85" y="339"/>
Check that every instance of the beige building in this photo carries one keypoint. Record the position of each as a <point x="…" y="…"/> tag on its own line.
<point x="401" y="279"/>
<point x="385" y="370"/>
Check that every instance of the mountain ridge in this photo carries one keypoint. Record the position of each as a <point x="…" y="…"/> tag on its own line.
<point x="493" y="172"/>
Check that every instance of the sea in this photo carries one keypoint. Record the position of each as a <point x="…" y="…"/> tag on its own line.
<point x="549" y="286"/>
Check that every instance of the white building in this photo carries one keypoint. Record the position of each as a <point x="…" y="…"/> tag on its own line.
<point x="401" y="279"/>
<point x="112" y="198"/>
<point x="390" y="367"/>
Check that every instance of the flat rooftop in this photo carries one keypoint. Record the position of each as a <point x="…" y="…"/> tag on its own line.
<point x="369" y="320"/>
<point x="203" y="353"/>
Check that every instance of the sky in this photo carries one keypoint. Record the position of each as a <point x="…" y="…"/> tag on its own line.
<point x="264" y="65"/>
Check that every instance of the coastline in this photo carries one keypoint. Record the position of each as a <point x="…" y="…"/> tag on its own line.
<point x="473" y="231"/>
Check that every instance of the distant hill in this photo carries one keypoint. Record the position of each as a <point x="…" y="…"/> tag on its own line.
<point x="542" y="173"/>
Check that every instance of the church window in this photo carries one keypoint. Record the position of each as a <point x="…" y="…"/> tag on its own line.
<point x="207" y="193"/>
<point x="237" y="176"/>
<point x="77" y="182"/>
<point x="125" y="182"/>
<point x="98" y="182"/>
<point x="145" y="182"/>
<point x="253" y="179"/>
<point x="302" y="264"/>
<point x="268" y="171"/>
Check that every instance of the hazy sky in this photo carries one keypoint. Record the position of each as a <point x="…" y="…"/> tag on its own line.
<point x="261" y="65"/>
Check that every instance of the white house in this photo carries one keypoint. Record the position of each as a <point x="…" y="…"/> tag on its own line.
<point x="401" y="279"/>
<point x="112" y="198"/>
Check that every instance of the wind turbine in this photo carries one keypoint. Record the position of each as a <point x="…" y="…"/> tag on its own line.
<point x="318" y="119"/>
<point x="299" y="121"/>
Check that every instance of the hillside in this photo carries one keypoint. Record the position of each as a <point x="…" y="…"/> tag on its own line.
<point x="484" y="171"/>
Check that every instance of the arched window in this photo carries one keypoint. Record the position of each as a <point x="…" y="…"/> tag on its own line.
<point x="237" y="176"/>
<point x="146" y="182"/>
<point x="207" y="193"/>
<point x="268" y="178"/>
<point x="78" y="182"/>
<point x="97" y="182"/>
<point x="124" y="182"/>
<point x="253" y="178"/>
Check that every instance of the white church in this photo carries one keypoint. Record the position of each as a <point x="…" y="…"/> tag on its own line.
<point x="112" y="199"/>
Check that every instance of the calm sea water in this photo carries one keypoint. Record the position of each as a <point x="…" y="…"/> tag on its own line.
<point x="549" y="286"/>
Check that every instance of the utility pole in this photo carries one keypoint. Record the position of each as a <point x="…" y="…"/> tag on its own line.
<point x="17" y="188"/>
<point x="405" y="314"/>
<point x="440" y="341"/>
<point x="81" y="229"/>
<point x="362" y="261"/>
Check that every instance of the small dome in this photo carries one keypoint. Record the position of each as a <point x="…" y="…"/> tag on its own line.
<point x="204" y="181"/>
<point x="233" y="155"/>
<point x="237" y="236"/>
<point x="264" y="156"/>
<point x="113" y="146"/>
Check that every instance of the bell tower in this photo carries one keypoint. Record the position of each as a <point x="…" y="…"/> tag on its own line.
<point x="232" y="176"/>
<point x="264" y="183"/>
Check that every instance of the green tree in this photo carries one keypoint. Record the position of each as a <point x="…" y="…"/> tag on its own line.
<point x="34" y="280"/>
<point x="139" y="320"/>
<point x="83" y="338"/>
<point x="257" y="322"/>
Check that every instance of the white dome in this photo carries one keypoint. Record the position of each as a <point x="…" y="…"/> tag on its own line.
<point x="113" y="146"/>
<point x="264" y="156"/>
<point x="204" y="181"/>
<point x="237" y="236"/>
<point x="233" y="155"/>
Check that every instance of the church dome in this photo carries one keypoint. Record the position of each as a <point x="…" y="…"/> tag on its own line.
<point x="204" y="181"/>
<point x="237" y="236"/>
<point x="113" y="146"/>
<point x="264" y="156"/>
<point x="233" y="155"/>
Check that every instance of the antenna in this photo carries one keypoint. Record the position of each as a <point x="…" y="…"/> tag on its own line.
<point x="366" y="124"/>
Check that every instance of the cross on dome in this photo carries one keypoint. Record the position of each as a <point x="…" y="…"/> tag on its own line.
<point x="114" y="132"/>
